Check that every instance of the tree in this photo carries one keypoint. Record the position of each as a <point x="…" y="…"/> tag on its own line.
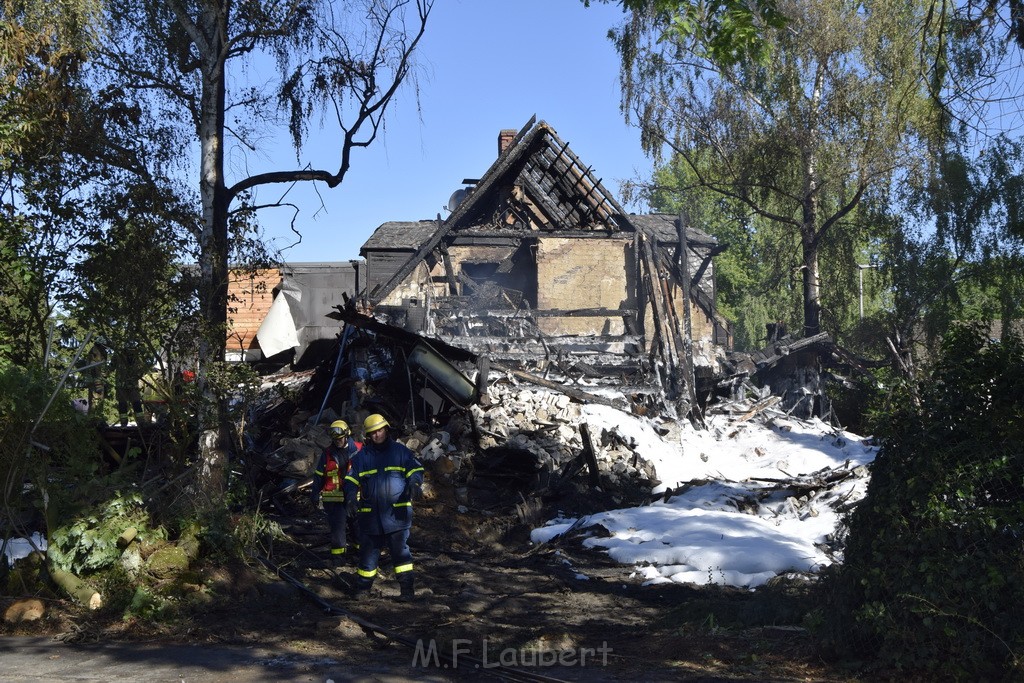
<point x="184" y="64"/>
<point x="185" y="74"/>
<point x="42" y="51"/>
<point x="753" y="285"/>
<point x="801" y="121"/>
<point x="133" y="292"/>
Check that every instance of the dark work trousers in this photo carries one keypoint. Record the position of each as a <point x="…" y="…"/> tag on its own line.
<point x="370" y="548"/>
<point x="336" y="519"/>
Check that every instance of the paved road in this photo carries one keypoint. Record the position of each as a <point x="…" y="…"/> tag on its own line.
<point x="45" y="659"/>
<point x="29" y="658"/>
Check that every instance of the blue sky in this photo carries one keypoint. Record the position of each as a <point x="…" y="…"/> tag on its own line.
<point x="485" y="65"/>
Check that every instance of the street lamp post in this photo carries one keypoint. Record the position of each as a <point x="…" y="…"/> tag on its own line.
<point x="860" y="268"/>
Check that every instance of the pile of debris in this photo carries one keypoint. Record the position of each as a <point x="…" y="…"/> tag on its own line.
<point x="524" y="442"/>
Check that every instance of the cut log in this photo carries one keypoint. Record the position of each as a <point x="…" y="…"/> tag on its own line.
<point x="26" y="609"/>
<point x="125" y="539"/>
<point x="76" y="588"/>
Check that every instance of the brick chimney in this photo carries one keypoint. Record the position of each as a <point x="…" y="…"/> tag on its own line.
<point x="505" y="138"/>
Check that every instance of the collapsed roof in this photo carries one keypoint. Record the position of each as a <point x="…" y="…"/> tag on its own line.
<point x="539" y="266"/>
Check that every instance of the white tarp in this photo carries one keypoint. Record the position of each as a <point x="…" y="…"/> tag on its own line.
<point x="278" y="331"/>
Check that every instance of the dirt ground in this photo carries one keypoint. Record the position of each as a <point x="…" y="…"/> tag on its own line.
<point x="486" y="594"/>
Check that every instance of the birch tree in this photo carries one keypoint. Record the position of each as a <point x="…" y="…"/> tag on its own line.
<point x="197" y="69"/>
<point x="205" y="77"/>
<point x="816" y="108"/>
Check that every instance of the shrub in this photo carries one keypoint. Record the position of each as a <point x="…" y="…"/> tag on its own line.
<point x="89" y="541"/>
<point x="934" y="570"/>
<point x="43" y="441"/>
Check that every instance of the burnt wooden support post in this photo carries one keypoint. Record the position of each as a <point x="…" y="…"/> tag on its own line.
<point x="654" y="293"/>
<point x="449" y="272"/>
<point x="483" y="368"/>
<point x="590" y="454"/>
<point x="685" y="283"/>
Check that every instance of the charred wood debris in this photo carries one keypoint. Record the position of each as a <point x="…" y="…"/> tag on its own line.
<point x="502" y="440"/>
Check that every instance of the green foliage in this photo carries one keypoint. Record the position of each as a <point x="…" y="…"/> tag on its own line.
<point x="132" y="291"/>
<point x="89" y="541"/>
<point x="933" y="574"/>
<point x="728" y="30"/>
<point x="958" y="253"/>
<point x="757" y="278"/>
<point x="822" y="116"/>
<point x="43" y="442"/>
<point x="228" y="537"/>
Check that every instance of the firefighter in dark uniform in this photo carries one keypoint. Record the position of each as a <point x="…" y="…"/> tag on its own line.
<point x="329" y="486"/>
<point x="387" y="477"/>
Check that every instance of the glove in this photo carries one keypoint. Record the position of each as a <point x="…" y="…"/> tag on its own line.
<point x="351" y="507"/>
<point x="415" y="492"/>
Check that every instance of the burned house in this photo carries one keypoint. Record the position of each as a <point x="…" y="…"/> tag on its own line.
<point x="538" y="266"/>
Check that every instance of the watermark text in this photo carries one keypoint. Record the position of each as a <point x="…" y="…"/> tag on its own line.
<point x="459" y="654"/>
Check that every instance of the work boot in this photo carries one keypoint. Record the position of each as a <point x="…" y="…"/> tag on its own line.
<point x="338" y="560"/>
<point x="361" y="589"/>
<point x="408" y="592"/>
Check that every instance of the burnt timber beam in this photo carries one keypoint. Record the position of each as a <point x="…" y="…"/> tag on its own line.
<point x="555" y="214"/>
<point x="590" y="455"/>
<point x="572" y="180"/>
<point x="654" y="293"/>
<point x="449" y="272"/>
<point x="687" y="285"/>
<point x="582" y="396"/>
<point x="584" y="341"/>
<point x="363" y="321"/>
<point x="715" y="251"/>
<point x="539" y="312"/>
<point x="605" y="196"/>
<point x="461" y="210"/>
<point x="583" y="312"/>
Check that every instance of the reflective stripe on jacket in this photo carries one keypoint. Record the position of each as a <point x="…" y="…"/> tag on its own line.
<point x="384" y="476"/>
<point x="328" y="480"/>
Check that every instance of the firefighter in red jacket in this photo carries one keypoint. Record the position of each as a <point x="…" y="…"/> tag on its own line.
<point x="387" y="477"/>
<point x="329" y="483"/>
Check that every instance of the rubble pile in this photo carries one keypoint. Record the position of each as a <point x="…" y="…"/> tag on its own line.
<point x="552" y="428"/>
<point x="524" y="440"/>
<point x="537" y="421"/>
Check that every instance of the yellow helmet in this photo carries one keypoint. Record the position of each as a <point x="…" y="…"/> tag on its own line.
<point x="339" y="428"/>
<point x="373" y="423"/>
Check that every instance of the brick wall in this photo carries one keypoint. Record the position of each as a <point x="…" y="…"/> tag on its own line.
<point x="584" y="273"/>
<point x="249" y="299"/>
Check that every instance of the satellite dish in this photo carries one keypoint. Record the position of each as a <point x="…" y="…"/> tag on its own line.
<point x="457" y="197"/>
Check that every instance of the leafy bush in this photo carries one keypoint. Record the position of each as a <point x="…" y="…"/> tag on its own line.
<point x="89" y="541"/>
<point x="36" y="454"/>
<point x="227" y="537"/>
<point x="934" y="569"/>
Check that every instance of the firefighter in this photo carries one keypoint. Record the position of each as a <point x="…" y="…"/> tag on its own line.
<point x="329" y="486"/>
<point x="387" y="477"/>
